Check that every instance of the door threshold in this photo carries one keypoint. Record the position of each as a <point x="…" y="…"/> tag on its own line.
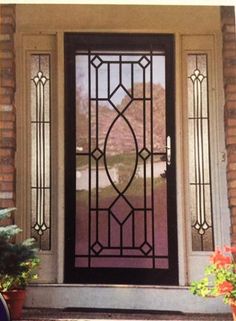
<point x="120" y="311"/>
<point x="125" y="298"/>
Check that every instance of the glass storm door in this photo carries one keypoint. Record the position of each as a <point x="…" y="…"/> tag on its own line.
<point x="120" y="160"/>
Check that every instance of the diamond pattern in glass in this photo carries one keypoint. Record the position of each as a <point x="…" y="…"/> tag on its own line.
<point x="96" y="61"/>
<point x="97" y="153"/>
<point x="144" y="153"/>
<point x="121" y="210"/>
<point x="144" y="62"/>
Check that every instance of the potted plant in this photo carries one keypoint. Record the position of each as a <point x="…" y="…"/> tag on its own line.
<point x="18" y="262"/>
<point x="220" y="278"/>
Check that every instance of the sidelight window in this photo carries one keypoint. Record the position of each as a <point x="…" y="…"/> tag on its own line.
<point x="199" y="154"/>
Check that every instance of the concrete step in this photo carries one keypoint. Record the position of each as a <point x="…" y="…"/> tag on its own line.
<point x="65" y="315"/>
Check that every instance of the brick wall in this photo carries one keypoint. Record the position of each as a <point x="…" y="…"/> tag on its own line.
<point x="229" y="70"/>
<point x="7" y="106"/>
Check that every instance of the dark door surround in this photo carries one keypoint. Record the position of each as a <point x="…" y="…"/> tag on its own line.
<point x="122" y="42"/>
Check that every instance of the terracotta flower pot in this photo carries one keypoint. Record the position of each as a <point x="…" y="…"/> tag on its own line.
<point x="233" y="309"/>
<point x="15" y="300"/>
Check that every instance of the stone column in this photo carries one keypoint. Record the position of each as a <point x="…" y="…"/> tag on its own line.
<point x="229" y="71"/>
<point x="7" y="106"/>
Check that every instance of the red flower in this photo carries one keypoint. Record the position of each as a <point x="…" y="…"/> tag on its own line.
<point x="230" y="249"/>
<point x="220" y="260"/>
<point x="225" y="287"/>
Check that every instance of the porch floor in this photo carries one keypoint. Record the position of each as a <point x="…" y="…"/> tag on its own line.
<point x="62" y="315"/>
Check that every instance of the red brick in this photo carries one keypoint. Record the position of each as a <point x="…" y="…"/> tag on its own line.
<point x="232" y="192"/>
<point x="231" y="150"/>
<point x="229" y="45"/>
<point x="228" y="53"/>
<point x="231" y="140"/>
<point x="230" y="131"/>
<point x="229" y="36"/>
<point x="231" y="175"/>
<point x="231" y="122"/>
<point x="6" y="152"/>
<point x="230" y="113"/>
<point x="7" y="186"/>
<point x="233" y="211"/>
<point x="7" y="54"/>
<point x="7" y="160"/>
<point x="7" y="116"/>
<point x="230" y="80"/>
<point x="7" y="203"/>
<point x="6" y="169"/>
<point x="7" y="125"/>
<point x="7" y="28"/>
<point x="232" y="158"/>
<point x="7" y="63"/>
<point x="7" y="91"/>
<point x="231" y="96"/>
<point x="233" y="228"/>
<point x="230" y="88"/>
<point x="227" y="21"/>
<point x="233" y="241"/>
<point x="232" y="184"/>
<point x="232" y="202"/>
<point x="6" y="108"/>
<point x="6" y="45"/>
<point x="7" y="20"/>
<point x="229" y="28"/>
<point x="230" y="71"/>
<point x="7" y="142"/>
<point x="230" y="105"/>
<point x="6" y="221"/>
<point x="233" y="220"/>
<point x="7" y="72"/>
<point x="229" y="61"/>
<point x="7" y="10"/>
<point x="7" y="133"/>
<point x="7" y="177"/>
<point x="6" y="99"/>
<point x="231" y="166"/>
<point x="8" y="82"/>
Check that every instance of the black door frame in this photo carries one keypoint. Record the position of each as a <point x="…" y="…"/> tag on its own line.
<point x="81" y="41"/>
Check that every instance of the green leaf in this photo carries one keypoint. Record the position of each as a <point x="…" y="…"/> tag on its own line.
<point x="5" y="212"/>
<point x="9" y="231"/>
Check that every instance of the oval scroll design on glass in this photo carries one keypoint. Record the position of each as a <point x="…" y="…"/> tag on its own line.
<point x="115" y="148"/>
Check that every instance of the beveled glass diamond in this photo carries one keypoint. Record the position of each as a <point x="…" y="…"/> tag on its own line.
<point x="97" y="248"/>
<point x="144" y="153"/>
<point x="118" y="94"/>
<point x="146" y="248"/>
<point x="97" y="153"/>
<point x="144" y="62"/>
<point x="96" y="61"/>
<point x="121" y="210"/>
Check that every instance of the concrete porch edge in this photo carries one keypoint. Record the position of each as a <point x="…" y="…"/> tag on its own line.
<point x="159" y="298"/>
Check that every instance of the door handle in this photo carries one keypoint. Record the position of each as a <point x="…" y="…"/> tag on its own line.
<point x="168" y="150"/>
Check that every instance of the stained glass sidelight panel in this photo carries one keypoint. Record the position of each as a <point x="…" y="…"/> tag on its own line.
<point x="199" y="154"/>
<point x="41" y="150"/>
<point x="121" y="188"/>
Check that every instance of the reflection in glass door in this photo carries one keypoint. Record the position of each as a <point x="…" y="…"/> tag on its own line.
<point x="123" y="156"/>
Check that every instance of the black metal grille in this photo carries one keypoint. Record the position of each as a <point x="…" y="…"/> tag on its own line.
<point x="199" y="141"/>
<point x="112" y="225"/>
<point x="41" y="150"/>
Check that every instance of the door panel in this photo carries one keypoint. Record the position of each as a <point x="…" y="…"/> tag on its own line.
<point x="120" y="160"/>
